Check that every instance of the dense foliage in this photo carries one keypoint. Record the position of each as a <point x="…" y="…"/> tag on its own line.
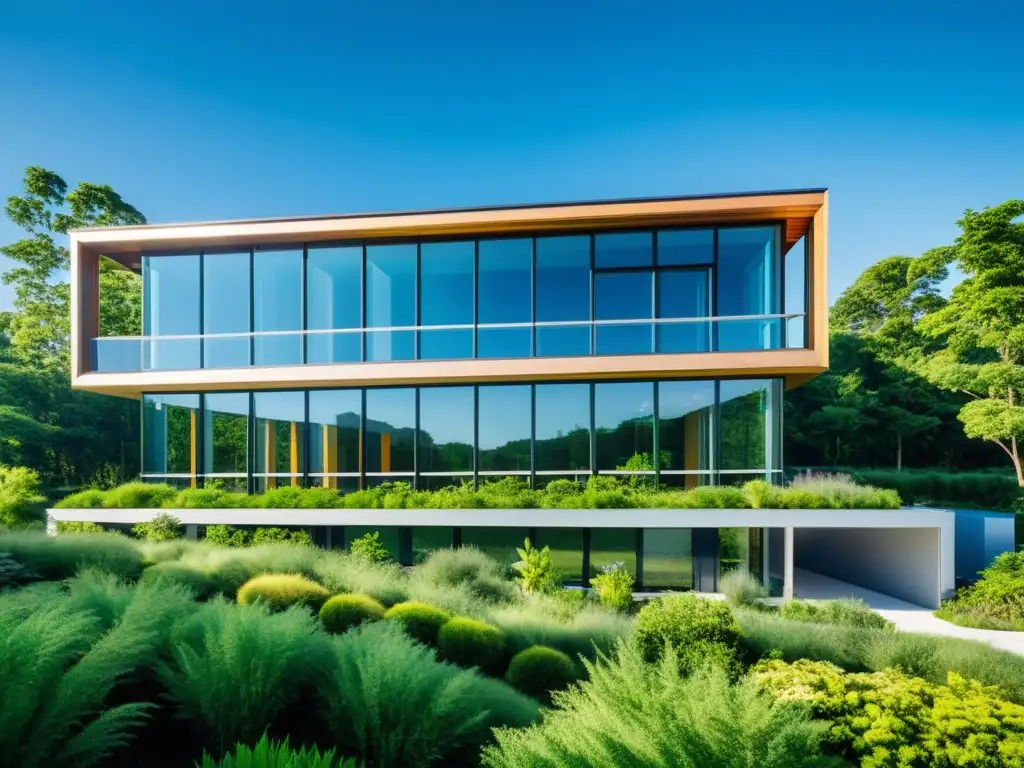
<point x="343" y="612"/>
<point x="282" y="590"/>
<point x="694" y="628"/>
<point x="995" y="601"/>
<point x="844" y="613"/>
<point x="421" y="621"/>
<point x="613" y="586"/>
<point x="274" y="754"/>
<point x="539" y="670"/>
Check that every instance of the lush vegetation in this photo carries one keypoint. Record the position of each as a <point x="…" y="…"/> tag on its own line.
<point x="814" y="492"/>
<point x="995" y="601"/>
<point x="122" y="652"/>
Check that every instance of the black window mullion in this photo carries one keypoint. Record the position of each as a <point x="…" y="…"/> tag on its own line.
<point x="716" y="432"/>
<point x="656" y="442"/>
<point x="362" y="309"/>
<point x="714" y="295"/>
<point x="593" y="429"/>
<point x="476" y="437"/>
<point x="201" y="440"/>
<point x="362" y="439"/>
<point x="416" y="435"/>
<point x="533" y="435"/>
<point x="252" y="306"/>
<point x="251" y="459"/>
<point x="306" y="438"/>
<point x="593" y="299"/>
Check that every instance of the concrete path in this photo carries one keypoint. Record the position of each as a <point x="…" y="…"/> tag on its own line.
<point x="906" y="616"/>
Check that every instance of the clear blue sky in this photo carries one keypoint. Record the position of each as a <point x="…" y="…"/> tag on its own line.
<point x="909" y="112"/>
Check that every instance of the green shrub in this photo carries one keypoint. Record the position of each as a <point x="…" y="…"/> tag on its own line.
<point x="562" y="494"/>
<point x="282" y="590"/>
<point x="370" y="548"/>
<point x="890" y="719"/>
<point x="163" y="527"/>
<point x="536" y="570"/>
<point x="63" y="674"/>
<point x="384" y="582"/>
<point x="230" y="568"/>
<point x="343" y="612"/>
<point x="539" y="670"/>
<point x="742" y="589"/>
<point x="614" y="587"/>
<point x="165" y="551"/>
<point x="77" y="526"/>
<point x="235" y="670"/>
<point x="471" y="643"/>
<point x="630" y="714"/>
<point x="90" y="498"/>
<point x="606" y="492"/>
<point x="59" y="557"/>
<point x="293" y="497"/>
<point x="138" y="496"/>
<point x="847" y="612"/>
<point x="299" y="536"/>
<point x="567" y="603"/>
<point x="227" y="536"/>
<point x="995" y="601"/>
<point x="204" y="498"/>
<point x="696" y="628"/>
<point x="20" y="499"/>
<point x="197" y="582"/>
<point x="536" y="622"/>
<point x="481" y="575"/>
<point x="391" y="703"/>
<point x="13" y="573"/>
<point x="278" y="754"/>
<point x="980" y="490"/>
<point x="420" y="621"/>
<point x="507" y="493"/>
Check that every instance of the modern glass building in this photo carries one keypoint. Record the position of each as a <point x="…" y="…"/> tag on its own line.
<point x="643" y="337"/>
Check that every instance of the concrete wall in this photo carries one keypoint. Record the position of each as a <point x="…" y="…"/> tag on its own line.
<point x="981" y="536"/>
<point x="902" y="562"/>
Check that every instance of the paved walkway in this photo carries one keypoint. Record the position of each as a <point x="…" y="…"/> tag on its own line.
<point x="906" y="616"/>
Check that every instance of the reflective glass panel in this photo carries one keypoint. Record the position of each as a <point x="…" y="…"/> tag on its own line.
<point x="385" y="346"/>
<point x="499" y="543"/>
<point x="170" y="434"/>
<point x="334" y="418"/>
<point x="685" y="246"/>
<point x="505" y="282"/>
<point x="609" y="546"/>
<point x="668" y="558"/>
<point x="389" y="537"/>
<point x="226" y="309"/>
<point x="562" y="424"/>
<point x="563" y="278"/>
<point x="446" y="429"/>
<point x="684" y="293"/>
<point x="226" y="432"/>
<point x="565" y="341"/>
<point x="446" y="283"/>
<point x="796" y="293"/>
<point x="744" y="406"/>
<point x="390" y="286"/>
<point x="623" y="249"/>
<point x="733" y="550"/>
<point x="748" y="284"/>
<point x="170" y="306"/>
<point x="624" y="418"/>
<point x="446" y="344"/>
<point x="426" y="539"/>
<point x="277" y="306"/>
<point x="504" y="428"/>
<point x="280" y="440"/>
<point x="503" y="342"/>
<point x="566" y="545"/>
<point x="334" y="291"/>
<point x="390" y="430"/>
<point x="685" y="427"/>
<point x="624" y="296"/>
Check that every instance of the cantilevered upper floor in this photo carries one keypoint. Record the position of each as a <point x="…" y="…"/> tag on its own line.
<point x="690" y="286"/>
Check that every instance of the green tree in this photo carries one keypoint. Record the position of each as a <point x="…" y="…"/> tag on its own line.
<point x="982" y="326"/>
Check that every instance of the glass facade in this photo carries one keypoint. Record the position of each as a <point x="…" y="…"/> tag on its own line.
<point x="604" y="293"/>
<point x="683" y="433"/>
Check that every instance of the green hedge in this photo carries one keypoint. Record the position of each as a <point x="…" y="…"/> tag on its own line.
<point x="696" y="628"/>
<point x="343" y="612"/>
<point x="419" y="620"/>
<point x="539" y="670"/>
<point x="281" y="590"/>
<point x="471" y="643"/>
<point x="995" y="601"/>
<point x="600" y="492"/>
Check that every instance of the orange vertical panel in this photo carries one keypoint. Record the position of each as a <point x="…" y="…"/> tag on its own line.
<point x="385" y="452"/>
<point x="294" y="454"/>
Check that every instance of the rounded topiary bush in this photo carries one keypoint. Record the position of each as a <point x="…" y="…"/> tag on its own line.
<point x="419" y="620"/>
<point x="471" y="643"/>
<point x="201" y="585"/>
<point x="342" y="612"/>
<point x="281" y="590"/>
<point x="696" y="628"/>
<point x="538" y="670"/>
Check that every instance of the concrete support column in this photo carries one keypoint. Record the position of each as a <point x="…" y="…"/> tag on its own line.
<point x="787" y="572"/>
<point x="192" y="532"/>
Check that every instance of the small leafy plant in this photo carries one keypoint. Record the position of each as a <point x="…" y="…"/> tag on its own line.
<point x="536" y="569"/>
<point x="163" y="527"/>
<point x="370" y="548"/>
<point x="277" y="754"/>
<point x="614" y="586"/>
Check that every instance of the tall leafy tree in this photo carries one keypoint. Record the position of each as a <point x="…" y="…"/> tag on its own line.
<point x="983" y="328"/>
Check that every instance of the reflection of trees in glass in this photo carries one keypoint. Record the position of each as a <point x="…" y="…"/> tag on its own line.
<point x="616" y="446"/>
<point x="743" y="431"/>
<point x="453" y="457"/>
<point x="732" y="549"/>
<point x="179" y="439"/>
<point x="513" y="455"/>
<point x="566" y="450"/>
<point x="229" y="440"/>
<point x="403" y="441"/>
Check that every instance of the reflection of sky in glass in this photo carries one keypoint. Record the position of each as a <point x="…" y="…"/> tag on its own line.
<point x="277" y="290"/>
<point x="446" y="283"/>
<point x="563" y="278"/>
<point x="334" y="287"/>
<point x="446" y="414"/>
<point x="170" y="284"/>
<point x="504" y="415"/>
<point x="678" y="398"/>
<point x="686" y="246"/>
<point x="226" y="294"/>
<point x="390" y="285"/>
<point x="623" y="249"/>
<point x="505" y="282"/>
<point x="616" y="403"/>
<point x="561" y="408"/>
<point x="280" y="406"/>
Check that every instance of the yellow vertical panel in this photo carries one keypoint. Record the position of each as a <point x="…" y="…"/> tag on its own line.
<point x="193" y="447"/>
<point x="293" y="455"/>
<point x="691" y="448"/>
<point x="269" y="452"/>
<point x="385" y="452"/>
<point x="330" y="455"/>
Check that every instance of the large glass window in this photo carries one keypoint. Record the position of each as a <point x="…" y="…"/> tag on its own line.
<point x="277" y="306"/>
<point x="170" y="434"/>
<point x="390" y="301"/>
<point x="446" y="434"/>
<point x="563" y="294"/>
<point x="748" y="284"/>
<point x="678" y="247"/>
<point x="390" y="432"/>
<point x="611" y="546"/>
<point x="748" y="429"/>
<point x="504" y="429"/>
<point x="566" y="545"/>
<point x="334" y="296"/>
<point x="280" y="440"/>
<point x="334" y="424"/>
<point x="684" y="293"/>
<point x="562" y="428"/>
<point x="624" y="426"/>
<point x="796" y="294"/>
<point x="623" y="249"/>
<point x="733" y="550"/>
<point x="499" y="543"/>
<point x="226" y="438"/>
<point x="668" y="558"/>
<point x="170" y="304"/>
<point x="226" y="309"/>
<point x="505" y="286"/>
<point x="685" y="430"/>
<point x="446" y="298"/>
<point x="624" y="296"/>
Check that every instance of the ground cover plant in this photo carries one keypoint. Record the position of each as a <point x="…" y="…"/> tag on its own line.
<point x="995" y="601"/>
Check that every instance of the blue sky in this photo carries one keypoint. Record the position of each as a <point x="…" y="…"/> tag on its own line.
<point x="209" y="110"/>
